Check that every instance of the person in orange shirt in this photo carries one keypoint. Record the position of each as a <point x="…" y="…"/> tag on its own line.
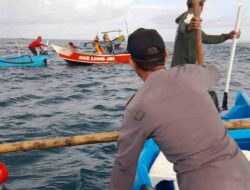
<point x="98" y="48"/>
<point x="36" y="44"/>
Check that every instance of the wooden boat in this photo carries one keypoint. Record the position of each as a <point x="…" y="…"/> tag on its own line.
<point x="240" y="111"/>
<point x="81" y="58"/>
<point x="24" y="61"/>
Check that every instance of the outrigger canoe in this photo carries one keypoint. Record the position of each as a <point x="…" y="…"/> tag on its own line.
<point x="24" y="61"/>
<point x="150" y="173"/>
<point x="81" y="58"/>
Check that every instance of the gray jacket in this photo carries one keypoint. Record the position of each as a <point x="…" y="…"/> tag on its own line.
<point x="174" y="108"/>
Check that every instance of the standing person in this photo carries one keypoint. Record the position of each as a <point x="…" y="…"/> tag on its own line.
<point x="109" y="47"/>
<point x="176" y="111"/>
<point x="106" y="37"/>
<point x="36" y="44"/>
<point x="185" y="41"/>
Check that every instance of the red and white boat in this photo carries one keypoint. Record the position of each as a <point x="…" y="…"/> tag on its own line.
<point x="81" y="58"/>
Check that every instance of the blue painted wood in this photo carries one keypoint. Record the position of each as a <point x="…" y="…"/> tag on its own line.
<point x="24" y="61"/>
<point x="241" y="109"/>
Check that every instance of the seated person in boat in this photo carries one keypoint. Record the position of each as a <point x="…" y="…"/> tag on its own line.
<point x="72" y="46"/>
<point x="176" y="111"/>
<point x="185" y="46"/>
<point x="98" y="48"/>
<point x="36" y="44"/>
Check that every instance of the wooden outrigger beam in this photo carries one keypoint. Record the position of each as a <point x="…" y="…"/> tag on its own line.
<point x="85" y="139"/>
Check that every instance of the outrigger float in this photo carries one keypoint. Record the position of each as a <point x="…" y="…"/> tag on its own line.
<point x="81" y="58"/>
<point x="24" y="61"/>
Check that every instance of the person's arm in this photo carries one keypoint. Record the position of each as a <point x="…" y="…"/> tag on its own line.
<point x="189" y="24"/>
<point x="40" y="45"/>
<point x="214" y="39"/>
<point x="130" y="143"/>
<point x="195" y="24"/>
<point x="233" y="33"/>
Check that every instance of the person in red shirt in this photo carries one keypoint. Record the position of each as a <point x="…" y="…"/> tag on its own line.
<point x="36" y="44"/>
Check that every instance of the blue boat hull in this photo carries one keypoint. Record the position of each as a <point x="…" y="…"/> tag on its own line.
<point x="241" y="110"/>
<point x="24" y="61"/>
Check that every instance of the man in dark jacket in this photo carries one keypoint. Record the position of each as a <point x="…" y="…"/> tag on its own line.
<point x="174" y="108"/>
<point x="185" y="41"/>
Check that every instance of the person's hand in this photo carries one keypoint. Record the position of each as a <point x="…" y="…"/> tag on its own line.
<point x="231" y="34"/>
<point x="195" y="24"/>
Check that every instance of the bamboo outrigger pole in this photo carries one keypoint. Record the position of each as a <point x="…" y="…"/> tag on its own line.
<point x="231" y="60"/>
<point x="59" y="142"/>
<point x="240" y="124"/>
<point x="197" y="13"/>
<point x="85" y="139"/>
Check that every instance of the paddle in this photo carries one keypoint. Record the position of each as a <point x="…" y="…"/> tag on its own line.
<point x="231" y="60"/>
<point x="47" y="45"/>
<point x="197" y="13"/>
<point x="85" y="139"/>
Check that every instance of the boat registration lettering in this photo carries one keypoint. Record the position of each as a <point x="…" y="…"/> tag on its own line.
<point x="92" y="58"/>
<point x="97" y="58"/>
<point x="87" y="58"/>
<point x="110" y="59"/>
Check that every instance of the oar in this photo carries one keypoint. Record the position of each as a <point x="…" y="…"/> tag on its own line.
<point x="47" y="44"/>
<point x="85" y="139"/>
<point x="18" y="48"/>
<point x="197" y="13"/>
<point x="231" y="60"/>
<point x="126" y="23"/>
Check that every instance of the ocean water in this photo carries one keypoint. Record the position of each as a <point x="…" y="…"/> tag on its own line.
<point x="59" y="100"/>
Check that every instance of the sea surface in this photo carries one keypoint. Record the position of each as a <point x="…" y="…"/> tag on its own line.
<point x="59" y="100"/>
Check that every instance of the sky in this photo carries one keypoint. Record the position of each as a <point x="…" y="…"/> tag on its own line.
<point x="83" y="19"/>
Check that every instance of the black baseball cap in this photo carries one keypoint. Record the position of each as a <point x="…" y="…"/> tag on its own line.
<point x="140" y="41"/>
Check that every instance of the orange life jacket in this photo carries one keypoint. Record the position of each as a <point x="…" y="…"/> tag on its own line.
<point x="99" y="49"/>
